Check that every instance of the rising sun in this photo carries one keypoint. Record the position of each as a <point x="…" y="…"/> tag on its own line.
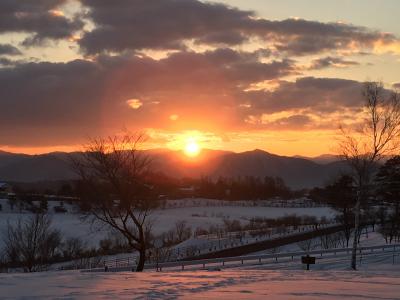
<point x="192" y="148"/>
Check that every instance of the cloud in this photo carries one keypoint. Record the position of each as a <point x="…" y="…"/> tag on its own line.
<point x="166" y="24"/>
<point x="169" y="24"/>
<point x="302" y="37"/>
<point x="7" y="49"/>
<point x="67" y="101"/>
<point x="88" y="96"/>
<point x="322" y="103"/>
<point x="320" y="95"/>
<point x="37" y="17"/>
<point x="281" y="121"/>
<point x="329" y="61"/>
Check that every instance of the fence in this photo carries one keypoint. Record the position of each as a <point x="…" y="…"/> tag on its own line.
<point x="277" y="203"/>
<point x="388" y="250"/>
<point x="216" y="245"/>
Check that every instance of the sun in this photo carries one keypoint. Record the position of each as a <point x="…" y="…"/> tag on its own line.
<point x="192" y="148"/>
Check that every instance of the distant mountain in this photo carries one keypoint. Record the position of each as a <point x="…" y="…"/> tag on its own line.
<point x="321" y="159"/>
<point x="29" y="168"/>
<point x="8" y="158"/>
<point x="296" y="172"/>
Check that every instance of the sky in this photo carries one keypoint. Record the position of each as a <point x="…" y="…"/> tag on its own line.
<point x="236" y="75"/>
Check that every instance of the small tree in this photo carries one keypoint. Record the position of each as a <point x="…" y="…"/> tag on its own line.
<point x="113" y="176"/>
<point x="31" y="243"/>
<point x="73" y="247"/>
<point x="183" y="231"/>
<point x="377" y="136"/>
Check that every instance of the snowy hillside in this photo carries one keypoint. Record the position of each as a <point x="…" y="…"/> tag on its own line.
<point x="202" y="215"/>
<point x="225" y="284"/>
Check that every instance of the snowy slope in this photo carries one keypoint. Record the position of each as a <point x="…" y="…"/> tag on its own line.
<point x="72" y="225"/>
<point x="225" y="284"/>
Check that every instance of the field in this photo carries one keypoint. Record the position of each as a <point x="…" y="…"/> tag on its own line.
<point x="72" y="225"/>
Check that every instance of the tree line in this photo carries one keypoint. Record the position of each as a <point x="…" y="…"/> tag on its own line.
<point x="380" y="207"/>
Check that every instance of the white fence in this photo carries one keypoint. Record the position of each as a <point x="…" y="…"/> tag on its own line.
<point x="393" y="250"/>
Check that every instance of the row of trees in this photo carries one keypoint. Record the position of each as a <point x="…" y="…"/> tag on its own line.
<point x="243" y="188"/>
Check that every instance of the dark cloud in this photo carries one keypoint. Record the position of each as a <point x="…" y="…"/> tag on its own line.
<point x="224" y="38"/>
<point x="318" y="95"/>
<point x="65" y="101"/>
<point x="7" y="49"/>
<point x="82" y="97"/>
<point x="396" y="85"/>
<point x="329" y="61"/>
<point x="141" y="24"/>
<point x="36" y="17"/>
<point x="293" y="122"/>
<point x="6" y="61"/>
<point x="301" y="37"/>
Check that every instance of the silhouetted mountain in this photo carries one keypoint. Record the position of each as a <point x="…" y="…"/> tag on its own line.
<point x="321" y="159"/>
<point x="8" y="158"/>
<point x="296" y="172"/>
<point x="28" y="168"/>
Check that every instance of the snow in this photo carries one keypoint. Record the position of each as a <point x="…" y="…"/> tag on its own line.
<point x="225" y="284"/>
<point x="72" y="226"/>
<point x="370" y="239"/>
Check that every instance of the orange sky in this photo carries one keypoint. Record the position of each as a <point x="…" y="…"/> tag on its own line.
<point x="233" y="76"/>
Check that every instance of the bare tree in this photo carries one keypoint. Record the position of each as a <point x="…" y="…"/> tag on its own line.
<point x="73" y="247"/>
<point x="377" y="136"/>
<point x="113" y="173"/>
<point x="183" y="231"/>
<point x="308" y="245"/>
<point x="31" y="243"/>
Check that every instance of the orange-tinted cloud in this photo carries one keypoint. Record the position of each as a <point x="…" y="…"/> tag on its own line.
<point x="176" y="66"/>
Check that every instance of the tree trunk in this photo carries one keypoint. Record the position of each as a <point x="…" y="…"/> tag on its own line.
<point x="142" y="251"/>
<point x="356" y="227"/>
<point x="142" y="258"/>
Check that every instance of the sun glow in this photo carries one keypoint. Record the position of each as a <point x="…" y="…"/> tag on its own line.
<point x="192" y="148"/>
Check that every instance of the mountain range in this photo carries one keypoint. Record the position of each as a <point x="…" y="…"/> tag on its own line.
<point x="297" y="172"/>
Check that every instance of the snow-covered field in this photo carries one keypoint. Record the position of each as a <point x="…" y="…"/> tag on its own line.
<point x="204" y="216"/>
<point x="225" y="284"/>
<point x="378" y="277"/>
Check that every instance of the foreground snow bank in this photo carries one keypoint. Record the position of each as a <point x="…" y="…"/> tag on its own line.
<point x="225" y="284"/>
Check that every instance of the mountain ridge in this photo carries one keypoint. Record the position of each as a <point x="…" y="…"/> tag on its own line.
<point x="295" y="171"/>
